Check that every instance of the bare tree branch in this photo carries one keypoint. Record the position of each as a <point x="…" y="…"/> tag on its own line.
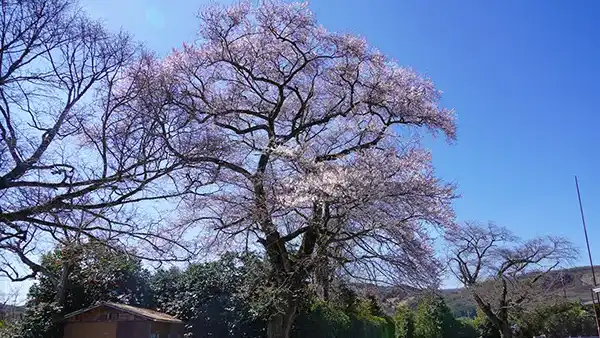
<point x="76" y="156"/>
<point x="302" y="131"/>
<point x="503" y="273"/>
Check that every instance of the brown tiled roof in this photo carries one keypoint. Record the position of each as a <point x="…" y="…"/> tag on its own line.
<point x="137" y="311"/>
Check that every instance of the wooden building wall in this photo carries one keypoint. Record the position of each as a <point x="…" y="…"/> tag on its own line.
<point x="109" y="323"/>
<point x="91" y="330"/>
<point x="134" y="329"/>
<point x="167" y="330"/>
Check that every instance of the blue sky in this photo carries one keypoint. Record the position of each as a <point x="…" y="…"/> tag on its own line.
<point x="522" y="76"/>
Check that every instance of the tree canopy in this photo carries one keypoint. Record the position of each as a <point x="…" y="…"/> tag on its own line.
<point x="289" y="153"/>
<point x="312" y="142"/>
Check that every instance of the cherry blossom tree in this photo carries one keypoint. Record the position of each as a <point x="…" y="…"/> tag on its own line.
<point x="313" y="138"/>
<point x="76" y="163"/>
<point x="503" y="273"/>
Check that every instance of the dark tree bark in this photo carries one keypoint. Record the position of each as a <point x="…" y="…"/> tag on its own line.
<point x="75" y="156"/>
<point x="305" y="149"/>
<point x="502" y="272"/>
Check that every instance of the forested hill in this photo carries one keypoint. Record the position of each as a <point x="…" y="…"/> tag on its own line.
<point x="575" y="283"/>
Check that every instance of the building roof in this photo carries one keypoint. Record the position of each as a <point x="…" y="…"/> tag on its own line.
<point x="136" y="311"/>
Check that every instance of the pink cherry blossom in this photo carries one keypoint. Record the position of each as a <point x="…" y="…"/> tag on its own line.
<point x="306" y="132"/>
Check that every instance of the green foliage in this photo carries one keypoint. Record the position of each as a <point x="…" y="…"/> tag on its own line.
<point x="164" y="284"/>
<point x="350" y="316"/>
<point x="466" y="328"/>
<point x="347" y="299"/>
<point x="9" y="330"/>
<point x="405" y="322"/>
<point x="434" y="319"/>
<point x="368" y="320"/>
<point x="224" y="299"/>
<point x="322" y="320"/>
<point x="39" y="321"/>
<point x="374" y="307"/>
<point x="4" y="329"/>
<point x="461" y="307"/>
<point x="95" y="273"/>
<point x="371" y="326"/>
<point x="559" y="320"/>
<point x="210" y="297"/>
<point x="484" y="326"/>
<point x="390" y="328"/>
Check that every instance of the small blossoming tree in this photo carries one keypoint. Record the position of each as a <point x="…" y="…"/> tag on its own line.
<point x="312" y="138"/>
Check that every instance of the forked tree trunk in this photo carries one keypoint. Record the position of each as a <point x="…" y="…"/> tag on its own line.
<point x="280" y="325"/>
<point x="499" y="321"/>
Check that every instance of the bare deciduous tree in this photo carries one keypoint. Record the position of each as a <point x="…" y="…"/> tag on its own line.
<point x="313" y="137"/>
<point x="9" y="305"/>
<point x="76" y="161"/>
<point x="503" y="273"/>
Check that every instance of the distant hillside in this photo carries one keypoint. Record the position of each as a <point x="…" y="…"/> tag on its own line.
<point x="576" y="284"/>
<point x="9" y="312"/>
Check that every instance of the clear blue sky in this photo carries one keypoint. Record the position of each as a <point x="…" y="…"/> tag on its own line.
<point x="522" y="76"/>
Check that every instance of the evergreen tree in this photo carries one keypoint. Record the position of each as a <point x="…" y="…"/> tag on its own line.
<point x="77" y="276"/>
<point x="434" y="319"/>
<point x="405" y="322"/>
<point x="374" y="306"/>
<point x="212" y="298"/>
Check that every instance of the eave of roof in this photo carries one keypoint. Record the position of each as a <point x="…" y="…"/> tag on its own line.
<point x="148" y="314"/>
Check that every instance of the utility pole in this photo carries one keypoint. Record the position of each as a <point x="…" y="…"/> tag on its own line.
<point x="587" y="242"/>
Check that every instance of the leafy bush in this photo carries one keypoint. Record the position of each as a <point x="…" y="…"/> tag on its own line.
<point x="559" y="320"/>
<point x="328" y="320"/>
<point x="210" y="298"/>
<point x="322" y="320"/>
<point x="466" y="328"/>
<point x="405" y="322"/>
<point x="434" y="319"/>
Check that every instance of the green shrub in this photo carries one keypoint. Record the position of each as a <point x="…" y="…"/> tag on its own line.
<point x="325" y="320"/>
<point x="322" y="320"/>
<point x="405" y="322"/>
<point x="434" y="319"/>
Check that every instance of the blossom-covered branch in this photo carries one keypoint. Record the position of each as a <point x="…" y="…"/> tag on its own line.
<point x="313" y="137"/>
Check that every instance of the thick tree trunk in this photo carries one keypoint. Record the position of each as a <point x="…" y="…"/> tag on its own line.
<point x="326" y="288"/>
<point x="61" y="296"/>
<point x="506" y="331"/>
<point x="323" y="279"/>
<point x="286" y="273"/>
<point x="280" y="325"/>
<point x="61" y="290"/>
<point x="500" y="321"/>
